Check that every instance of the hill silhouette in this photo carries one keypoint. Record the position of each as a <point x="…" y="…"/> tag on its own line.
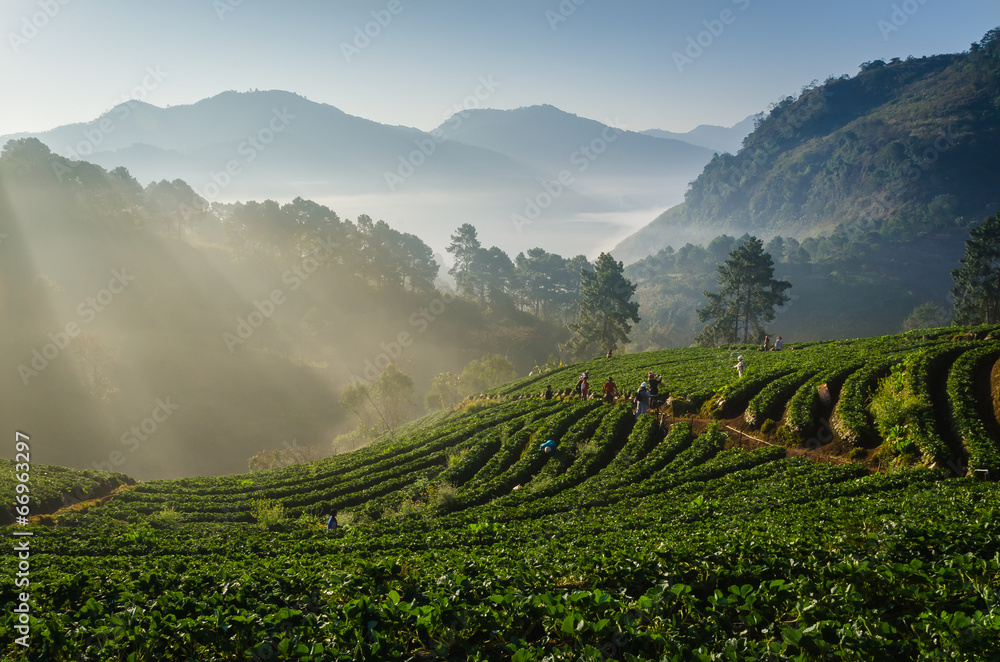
<point x="478" y="164"/>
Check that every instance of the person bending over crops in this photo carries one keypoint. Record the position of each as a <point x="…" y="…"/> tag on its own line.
<point x="331" y="524"/>
<point x="548" y="447"/>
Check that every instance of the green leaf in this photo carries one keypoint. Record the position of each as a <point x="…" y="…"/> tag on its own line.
<point x="567" y="625"/>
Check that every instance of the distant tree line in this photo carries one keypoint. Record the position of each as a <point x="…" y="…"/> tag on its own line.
<point x="541" y="283"/>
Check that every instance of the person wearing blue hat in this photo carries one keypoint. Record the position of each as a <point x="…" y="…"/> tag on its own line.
<point x="642" y="399"/>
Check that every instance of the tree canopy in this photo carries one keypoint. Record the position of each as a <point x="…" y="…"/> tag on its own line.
<point x="747" y="299"/>
<point x="607" y="311"/>
<point x="977" y="282"/>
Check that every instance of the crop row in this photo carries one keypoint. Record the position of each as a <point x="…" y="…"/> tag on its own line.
<point x="722" y="552"/>
<point x="969" y="425"/>
<point x="770" y="402"/>
<point x="591" y="457"/>
<point x="924" y="372"/>
<point x="851" y="420"/>
<point x="530" y="461"/>
<point x="805" y="407"/>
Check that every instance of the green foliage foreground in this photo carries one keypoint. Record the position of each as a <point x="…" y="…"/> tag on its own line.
<point x="464" y="542"/>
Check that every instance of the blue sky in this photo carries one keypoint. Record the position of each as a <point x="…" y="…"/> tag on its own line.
<point x="637" y="63"/>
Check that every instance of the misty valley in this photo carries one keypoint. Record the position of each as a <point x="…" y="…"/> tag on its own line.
<point x="285" y="383"/>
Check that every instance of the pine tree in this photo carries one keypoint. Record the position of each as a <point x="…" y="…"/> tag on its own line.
<point x="977" y="282"/>
<point x="606" y="311"/>
<point x="747" y="299"/>
<point x="465" y="247"/>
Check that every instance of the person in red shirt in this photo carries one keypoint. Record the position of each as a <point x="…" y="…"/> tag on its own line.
<point x="610" y="390"/>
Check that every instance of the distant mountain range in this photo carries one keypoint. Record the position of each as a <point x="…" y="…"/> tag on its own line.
<point x="487" y="166"/>
<point x="716" y="138"/>
<point x="905" y="148"/>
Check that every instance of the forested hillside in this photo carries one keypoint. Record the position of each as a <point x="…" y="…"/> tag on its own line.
<point x="865" y="189"/>
<point x="218" y="331"/>
<point x="904" y="148"/>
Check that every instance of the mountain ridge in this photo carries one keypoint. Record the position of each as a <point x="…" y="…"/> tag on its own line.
<point x="711" y="136"/>
<point x="276" y="144"/>
<point x="902" y="147"/>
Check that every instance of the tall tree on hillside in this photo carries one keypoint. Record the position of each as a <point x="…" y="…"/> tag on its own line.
<point x="487" y="372"/>
<point x="494" y="273"/>
<point x="393" y="391"/>
<point x="313" y="222"/>
<point x="419" y="268"/>
<point x="382" y="405"/>
<point x="977" y="282"/>
<point x="464" y="246"/>
<point x="747" y="299"/>
<point x="177" y="204"/>
<point x="537" y="272"/>
<point x="606" y="309"/>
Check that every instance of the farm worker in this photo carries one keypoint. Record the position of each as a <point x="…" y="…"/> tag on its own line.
<point x="642" y="399"/>
<point x="331" y="524"/>
<point x="767" y="343"/>
<point x="740" y="366"/>
<point x="548" y="392"/>
<point x="654" y="384"/>
<point x="610" y="390"/>
<point x="584" y="385"/>
<point x="778" y="344"/>
<point x="548" y="446"/>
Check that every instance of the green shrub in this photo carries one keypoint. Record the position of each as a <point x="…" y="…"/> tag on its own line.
<point x="46" y="520"/>
<point x="712" y="408"/>
<point x="898" y="412"/>
<point x="168" y="518"/>
<point x="787" y="438"/>
<point x="267" y="512"/>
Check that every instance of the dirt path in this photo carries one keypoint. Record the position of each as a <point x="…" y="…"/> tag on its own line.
<point x="79" y="506"/>
<point x="743" y="436"/>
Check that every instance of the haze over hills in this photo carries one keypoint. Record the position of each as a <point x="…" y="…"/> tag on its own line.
<point x="218" y="334"/>
<point x="906" y="146"/>
<point x="282" y="144"/>
<point x="866" y="187"/>
<point x="716" y="138"/>
<point x="481" y="166"/>
<point x="548" y="140"/>
<point x="879" y="175"/>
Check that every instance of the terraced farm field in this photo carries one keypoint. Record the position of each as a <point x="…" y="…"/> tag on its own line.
<point x="685" y="534"/>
